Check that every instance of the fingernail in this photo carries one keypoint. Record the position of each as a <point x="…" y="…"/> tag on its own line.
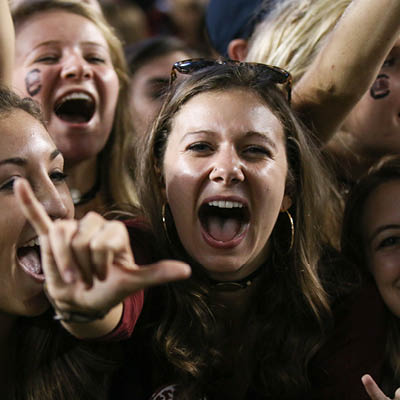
<point x="69" y="276"/>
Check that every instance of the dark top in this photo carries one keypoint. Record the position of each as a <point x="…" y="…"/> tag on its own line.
<point x="355" y="346"/>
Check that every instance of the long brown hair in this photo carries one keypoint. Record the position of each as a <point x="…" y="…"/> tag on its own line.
<point x="116" y="184"/>
<point x="46" y="362"/>
<point x="352" y="243"/>
<point x="288" y="314"/>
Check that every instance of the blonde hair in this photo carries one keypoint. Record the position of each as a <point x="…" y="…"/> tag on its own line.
<point x="294" y="32"/>
<point x="117" y="185"/>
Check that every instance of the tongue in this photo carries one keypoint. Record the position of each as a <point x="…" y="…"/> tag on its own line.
<point x="74" y="118"/>
<point x="223" y="229"/>
<point x="29" y="258"/>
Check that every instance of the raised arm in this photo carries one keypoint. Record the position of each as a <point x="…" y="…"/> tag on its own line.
<point x="89" y="267"/>
<point x="347" y="64"/>
<point x="7" y="44"/>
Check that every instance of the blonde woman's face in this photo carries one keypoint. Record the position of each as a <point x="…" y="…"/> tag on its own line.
<point x="374" y="123"/>
<point x="381" y="224"/>
<point x="63" y="61"/>
<point x="225" y="170"/>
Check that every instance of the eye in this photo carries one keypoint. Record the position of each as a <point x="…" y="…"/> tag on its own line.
<point x="58" y="176"/>
<point x="8" y="185"/>
<point x="47" y="59"/>
<point x="389" y="242"/>
<point x="200" y="147"/>
<point x="95" y="59"/>
<point x="255" y="151"/>
<point x="389" y="62"/>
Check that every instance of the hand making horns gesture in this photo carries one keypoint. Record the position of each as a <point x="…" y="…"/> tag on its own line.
<point x="373" y="390"/>
<point x="88" y="264"/>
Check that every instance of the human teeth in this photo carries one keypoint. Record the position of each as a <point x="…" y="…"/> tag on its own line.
<point x="32" y="243"/>
<point x="225" y="204"/>
<point x="75" y="96"/>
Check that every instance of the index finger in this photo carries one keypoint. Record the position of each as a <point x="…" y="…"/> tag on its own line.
<point x="31" y="207"/>
<point x="373" y="389"/>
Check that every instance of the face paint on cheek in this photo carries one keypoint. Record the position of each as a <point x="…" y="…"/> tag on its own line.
<point x="33" y="82"/>
<point x="381" y="88"/>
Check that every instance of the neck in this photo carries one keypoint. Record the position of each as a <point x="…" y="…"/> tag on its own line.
<point x="7" y="323"/>
<point x="82" y="176"/>
<point x="235" y="296"/>
<point x="83" y="181"/>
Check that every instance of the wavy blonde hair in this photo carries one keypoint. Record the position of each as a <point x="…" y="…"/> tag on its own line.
<point x="293" y="33"/>
<point x="117" y="186"/>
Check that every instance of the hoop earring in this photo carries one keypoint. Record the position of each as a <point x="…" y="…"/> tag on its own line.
<point x="291" y="229"/>
<point x="164" y="222"/>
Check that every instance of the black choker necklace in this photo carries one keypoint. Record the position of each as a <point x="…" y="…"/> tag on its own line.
<point x="232" y="286"/>
<point x="80" y="199"/>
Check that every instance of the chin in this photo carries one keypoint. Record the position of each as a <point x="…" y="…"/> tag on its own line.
<point x="35" y="306"/>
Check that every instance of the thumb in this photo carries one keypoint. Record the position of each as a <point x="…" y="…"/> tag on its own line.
<point x="156" y="274"/>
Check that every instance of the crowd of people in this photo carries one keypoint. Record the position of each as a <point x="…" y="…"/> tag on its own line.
<point x="198" y="222"/>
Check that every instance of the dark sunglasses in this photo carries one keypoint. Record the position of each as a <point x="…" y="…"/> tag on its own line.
<point x="275" y="74"/>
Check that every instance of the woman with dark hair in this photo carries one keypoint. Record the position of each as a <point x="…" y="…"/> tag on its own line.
<point x="39" y="359"/>
<point x="232" y="185"/>
<point x="149" y="62"/>
<point x="370" y="240"/>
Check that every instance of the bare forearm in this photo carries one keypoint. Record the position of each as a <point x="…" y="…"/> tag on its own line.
<point x="348" y="63"/>
<point x="7" y="44"/>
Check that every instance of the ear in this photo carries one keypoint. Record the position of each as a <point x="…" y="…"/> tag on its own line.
<point x="286" y="203"/>
<point x="237" y="49"/>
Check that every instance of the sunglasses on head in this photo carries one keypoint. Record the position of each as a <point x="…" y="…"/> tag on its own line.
<point x="275" y="74"/>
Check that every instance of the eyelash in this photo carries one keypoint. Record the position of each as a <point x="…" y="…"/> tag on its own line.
<point x="56" y="177"/>
<point x="9" y="185"/>
<point x="200" y="147"/>
<point x="47" y="59"/>
<point x="389" y="242"/>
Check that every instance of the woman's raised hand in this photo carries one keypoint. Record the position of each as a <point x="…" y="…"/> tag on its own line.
<point x="88" y="264"/>
<point x="373" y="390"/>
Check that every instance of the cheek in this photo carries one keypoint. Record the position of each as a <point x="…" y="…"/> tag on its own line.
<point x="33" y="82"/>
<point x="110" y="84"/>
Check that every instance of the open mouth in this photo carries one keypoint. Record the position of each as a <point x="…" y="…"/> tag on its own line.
<point x="29" y="259"/>
<point x="224" y="221"/>
<point x="76" y="107"/>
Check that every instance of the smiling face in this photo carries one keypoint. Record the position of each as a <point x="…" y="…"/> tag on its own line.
<point x="375" y="121"/>
<point x="147" y="88"/>
<point x="381" y="223"/>
<point x="63" y="61"/>
<point x="26" y="150"/>
<point x="225" y="170"/>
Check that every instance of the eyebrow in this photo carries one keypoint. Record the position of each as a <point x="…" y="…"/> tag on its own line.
<point x="23" y="161"/>
<point x="382" y="229"/>
<point x="56" y="42"/>
<point x="263" y="136"/>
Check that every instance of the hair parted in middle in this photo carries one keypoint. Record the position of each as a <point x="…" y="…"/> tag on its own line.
<point x="297" y="290"/>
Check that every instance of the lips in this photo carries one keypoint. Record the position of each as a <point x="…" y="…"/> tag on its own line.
<point x="224" y="222"/>
<point x="28" y="256"/>
<point x="76" y="107"/>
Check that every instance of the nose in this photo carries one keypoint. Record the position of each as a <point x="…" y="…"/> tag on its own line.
<point x="76" y="67"/>
<point x="227" y="168"/>
<point x="52" y="201"/>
